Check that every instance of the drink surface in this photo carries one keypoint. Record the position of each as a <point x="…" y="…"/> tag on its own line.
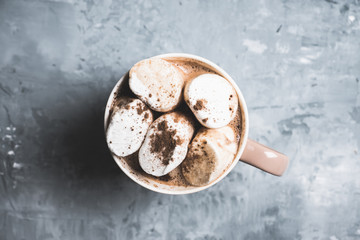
<point x="190" y="69"/>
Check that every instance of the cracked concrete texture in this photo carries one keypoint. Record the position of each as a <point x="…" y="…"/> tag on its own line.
<point x="297" y="64"/>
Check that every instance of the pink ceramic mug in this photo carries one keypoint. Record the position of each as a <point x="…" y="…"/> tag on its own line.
<point x="249" y="151"/>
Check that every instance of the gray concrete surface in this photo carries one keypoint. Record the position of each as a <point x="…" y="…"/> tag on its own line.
<point x="296" y="62"/>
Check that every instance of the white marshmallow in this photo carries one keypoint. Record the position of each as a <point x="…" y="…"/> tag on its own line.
<point x="210" y="153"/>
<point x="128" y="125"/>
<point x="158" y="83"/>
<point x="166" y="143"/>
<point x="212" y="99"/>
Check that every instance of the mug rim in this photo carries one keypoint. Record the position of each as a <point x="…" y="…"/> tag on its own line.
<point x="242" y="144"/>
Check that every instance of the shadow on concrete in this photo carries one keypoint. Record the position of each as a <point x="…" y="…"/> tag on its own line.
<point x="87" y="160"/>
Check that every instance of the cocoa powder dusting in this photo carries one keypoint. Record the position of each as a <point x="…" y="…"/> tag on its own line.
<point x="177" y="118"/>
<point x="140" y="108"/>
<point x="188" y="163"/>
<point x="179" y="141"/>
<point x="197" y="168"/>
<point x="163" y="142"/>
<point x="200" y="104"/>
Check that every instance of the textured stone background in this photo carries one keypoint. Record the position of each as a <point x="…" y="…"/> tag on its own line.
<point x="296" y="62"/>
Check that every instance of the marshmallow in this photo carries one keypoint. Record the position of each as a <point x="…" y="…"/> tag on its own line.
<point x="166" y="143"/>
<point x="128" y="125"/>
<point x="210" y="153"/>
<point x="158" y="83"/>
<point x="212" y="99"/>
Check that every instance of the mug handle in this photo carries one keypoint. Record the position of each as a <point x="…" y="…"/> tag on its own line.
<point x="264" y="158"/>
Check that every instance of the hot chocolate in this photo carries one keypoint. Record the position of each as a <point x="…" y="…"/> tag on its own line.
<point x="185" y="123"/>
